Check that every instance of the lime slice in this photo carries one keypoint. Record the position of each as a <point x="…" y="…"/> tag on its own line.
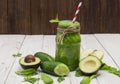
<point x="61" y="70"/>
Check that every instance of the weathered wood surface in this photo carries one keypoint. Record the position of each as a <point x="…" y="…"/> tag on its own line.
<point x="29" y="44"/>
<point x="32" y="16"/>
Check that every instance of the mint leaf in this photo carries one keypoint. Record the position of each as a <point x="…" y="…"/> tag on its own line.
<point x="30" y="79"/>
<point x="78" y="73"/>
<point x="111" y="69"/>
<point x="46" y="79"/>
<point x="27" y="72"/>
<point x="56" y="20"/>
<point x="94" y="76"/>
<point x="17" y="55"/>
<point x="60" y="79"/>
<point x="87" y="79"/>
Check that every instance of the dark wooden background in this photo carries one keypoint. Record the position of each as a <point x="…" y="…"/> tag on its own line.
<point x="32" y="16"/>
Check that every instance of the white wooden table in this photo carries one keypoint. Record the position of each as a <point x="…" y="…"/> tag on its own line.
<point x="30" y="44"/>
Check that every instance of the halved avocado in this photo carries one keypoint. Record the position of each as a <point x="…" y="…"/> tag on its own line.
<point x="90" y="65"/>
<point x="91" y="52"/>
<point x="29" y="62"/>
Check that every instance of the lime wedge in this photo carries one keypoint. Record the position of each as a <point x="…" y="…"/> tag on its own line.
<point x="61" y="70"/>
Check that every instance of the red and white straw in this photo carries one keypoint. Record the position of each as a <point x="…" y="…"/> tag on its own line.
<point x="77" y="11"/>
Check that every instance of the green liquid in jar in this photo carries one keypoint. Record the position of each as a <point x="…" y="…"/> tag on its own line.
<point x="68" y="54"/>
<point x="69" y="51"/>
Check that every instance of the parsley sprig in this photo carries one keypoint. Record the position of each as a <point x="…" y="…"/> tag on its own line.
<point x="17" y="55"/>
<point x="111" y="69"/>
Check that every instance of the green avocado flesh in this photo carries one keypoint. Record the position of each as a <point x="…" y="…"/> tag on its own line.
<point x="34" y="64"/>
<point x="68" y="23"/>
<point x="90" y="65"/>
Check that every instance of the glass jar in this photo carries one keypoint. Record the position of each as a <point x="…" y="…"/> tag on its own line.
<point x="68" y="44"/>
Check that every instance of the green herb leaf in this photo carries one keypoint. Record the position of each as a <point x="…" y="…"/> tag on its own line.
<point x="87" y="79"/>
<point x="78" y="73"/>
<point x="60" y="79"/>
<point x="27" y="72"/>
<point x="46" y="79"/>
<point x="94" y="76"/>
<point x="17" y="55"/>
<point x="110" y="69"/>
<point x="56" y="20"/>
<point x="30" y="79"/>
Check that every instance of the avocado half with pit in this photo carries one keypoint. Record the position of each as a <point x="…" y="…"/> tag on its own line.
<point x="90" y="65"/>
<point x="30" y="61"/>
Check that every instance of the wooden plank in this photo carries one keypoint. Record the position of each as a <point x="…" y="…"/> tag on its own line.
<point x="111" y="43"/>
<point x="49" y="44"/>
<point x="36" y="13"/>
<point x="19" y="16"/>
<point x="9" y="45"/>
<point x="3" y="16"/>
<point x="89" y="41"/>
<point x="31" y="45"/>
<point x="41" y="12"/>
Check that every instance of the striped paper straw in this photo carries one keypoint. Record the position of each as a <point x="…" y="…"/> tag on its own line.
<point x="77" y="11"/>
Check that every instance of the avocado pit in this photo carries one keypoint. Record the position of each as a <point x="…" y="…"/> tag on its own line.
<point x="29" y="59"/>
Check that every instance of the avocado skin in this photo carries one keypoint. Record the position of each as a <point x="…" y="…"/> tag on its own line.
<point x="89" y="74"/>
<point x="30" y="66"/>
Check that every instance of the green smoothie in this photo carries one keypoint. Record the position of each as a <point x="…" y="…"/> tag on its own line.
<point x="68" y="43"/>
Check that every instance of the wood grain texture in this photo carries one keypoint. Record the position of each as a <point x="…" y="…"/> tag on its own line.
<point x="32" y="16"/>
<point x="30" y="44"/>
<point x="9" y="45"/>
<point x="3" y="16"/>
<point x="19" y="16"/>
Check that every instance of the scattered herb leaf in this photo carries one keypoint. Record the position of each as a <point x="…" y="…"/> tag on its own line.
<point x="46" y="79"/>
<point x="94" y="76"/>
<point x="87" y="79"/>
<point x="78" y="73"/>
<point x="27" y="72"/>
<point x="110" y="69"/>
<point x="60" y="79"/>
<point x="56" y="20"/>
<point x="17" y="55"/>
<point x="30" y="79"/>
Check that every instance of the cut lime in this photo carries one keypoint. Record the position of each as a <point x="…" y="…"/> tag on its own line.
<point x="61" y="70"/>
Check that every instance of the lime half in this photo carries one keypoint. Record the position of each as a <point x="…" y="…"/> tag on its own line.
<point x="61" y="70"/>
